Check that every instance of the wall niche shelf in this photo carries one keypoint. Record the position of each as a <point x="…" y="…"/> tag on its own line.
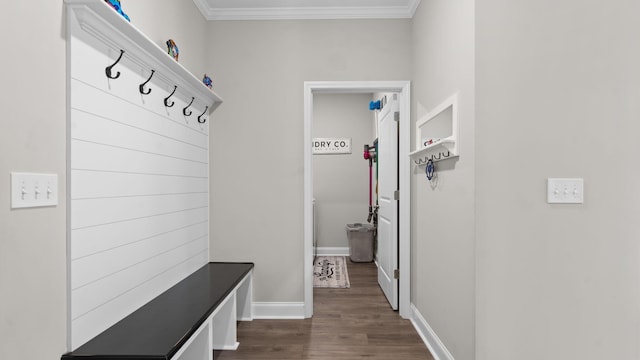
<point x="437" y="134"/>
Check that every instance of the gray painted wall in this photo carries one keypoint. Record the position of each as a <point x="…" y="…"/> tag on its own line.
<point x="557" y="96"/>
<point x="443" y="217"/>
<point x="341" y="182"/>
<point x="553" y="281"/>
<point x="181" y="21"/>
<point x="257" y="137"/>
<point x="33" y="267"/>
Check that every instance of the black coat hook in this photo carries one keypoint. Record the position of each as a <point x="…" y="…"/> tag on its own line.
<point x="202" y="121"/>
<point x="107" y="70"/>
<point x="184" y="111"/>
<point x="141" y="88"/>
<point x="166" y="100"/>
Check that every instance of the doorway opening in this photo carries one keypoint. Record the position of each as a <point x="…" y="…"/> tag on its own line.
<point x="402" y="89"/>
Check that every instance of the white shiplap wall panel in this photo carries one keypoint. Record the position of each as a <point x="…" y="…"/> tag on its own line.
<point x="100" y="130"/>
<point x="101" y="265"/>
<point x="93" y="240"/>
<point x="96" y="212"/>
<point x="100" y="292"/>
<point x="99" y="157"/>
<point x="85" y="327"/>
<point x="93" y="184"/>
<point x="174" y="124"/>
<point x="138" y="172"/>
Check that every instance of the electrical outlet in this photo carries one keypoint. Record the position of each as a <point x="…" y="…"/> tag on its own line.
<point x="565" y="191"/>
<point x="33" y="190"/>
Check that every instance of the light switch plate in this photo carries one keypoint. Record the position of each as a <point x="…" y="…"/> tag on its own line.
<point x="33" y="190"/>
<point x="565" y="190"/>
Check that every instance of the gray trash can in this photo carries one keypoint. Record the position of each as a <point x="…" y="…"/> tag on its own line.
<point x="360" y="238"/>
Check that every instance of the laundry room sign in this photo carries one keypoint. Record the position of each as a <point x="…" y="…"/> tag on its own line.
<point x="323" y="146"/>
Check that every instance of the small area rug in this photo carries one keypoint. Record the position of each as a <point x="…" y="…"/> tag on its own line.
<point x="330" y="272"/>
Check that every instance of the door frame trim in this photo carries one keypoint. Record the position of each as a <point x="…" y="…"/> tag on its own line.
<point x="403" y="88"/>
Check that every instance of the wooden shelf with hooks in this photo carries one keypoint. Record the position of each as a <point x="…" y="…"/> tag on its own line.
<point x="102" y="22"/>
<point x="441" y="150"/>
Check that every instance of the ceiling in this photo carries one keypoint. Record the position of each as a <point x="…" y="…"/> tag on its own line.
<point x="306" y="9"/>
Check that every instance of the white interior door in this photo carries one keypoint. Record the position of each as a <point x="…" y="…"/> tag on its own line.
<point x="388" y="211"/>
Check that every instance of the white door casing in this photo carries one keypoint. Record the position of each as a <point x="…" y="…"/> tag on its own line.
<point x="403" y="89"/>
<point x="388" y="211"/>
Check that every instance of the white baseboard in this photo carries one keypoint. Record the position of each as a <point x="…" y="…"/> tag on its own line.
<point x="333" y="251"/>
<point x="228" y="347"/>
<point x="278" y="310"/>
<point x="437" y="348"/>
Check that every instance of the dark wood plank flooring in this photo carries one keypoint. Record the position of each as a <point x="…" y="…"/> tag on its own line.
<point x="352" y="323"/>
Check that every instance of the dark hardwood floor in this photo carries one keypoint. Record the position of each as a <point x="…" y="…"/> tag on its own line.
<point x="352" y="323"/>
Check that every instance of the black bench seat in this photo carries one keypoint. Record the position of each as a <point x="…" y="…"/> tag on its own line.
<point x="158" y="329"/>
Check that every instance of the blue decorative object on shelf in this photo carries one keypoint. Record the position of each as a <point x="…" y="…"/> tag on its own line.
<point x="172" y="49"/>
<point x="207" y="81"/>
<point x="375" y="105"/>
<point x="115" y="4"/>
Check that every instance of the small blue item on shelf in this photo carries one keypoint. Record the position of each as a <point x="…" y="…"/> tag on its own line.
<point x="172" y="49"/>
<point x="115" y="4"/>
<point x="207" y="81"/>
<point x="375" y="105"/>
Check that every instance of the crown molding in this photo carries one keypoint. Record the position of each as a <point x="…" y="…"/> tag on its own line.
<point x="202" y="6"/>
<point x="413" y="6"/>
<point x="307" y="13"/>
